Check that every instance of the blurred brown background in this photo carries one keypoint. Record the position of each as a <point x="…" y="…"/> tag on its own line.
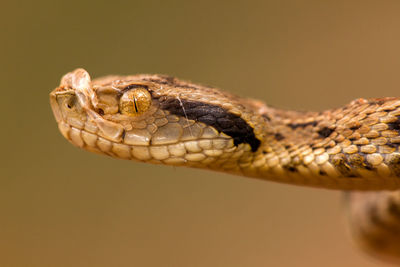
<point x="60" y="206"/>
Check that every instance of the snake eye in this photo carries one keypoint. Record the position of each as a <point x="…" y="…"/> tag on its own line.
<point x="135" y="102"/>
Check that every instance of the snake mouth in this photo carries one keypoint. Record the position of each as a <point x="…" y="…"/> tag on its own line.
<point x="194" y="153"/>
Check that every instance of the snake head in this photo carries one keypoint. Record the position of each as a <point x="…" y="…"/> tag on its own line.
<point x="155" y="118"/>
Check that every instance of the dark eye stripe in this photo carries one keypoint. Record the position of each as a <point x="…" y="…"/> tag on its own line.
<point x="214" y="116"/>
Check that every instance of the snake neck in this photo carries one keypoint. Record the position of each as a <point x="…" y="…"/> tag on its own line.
<point x="353" y="147"/>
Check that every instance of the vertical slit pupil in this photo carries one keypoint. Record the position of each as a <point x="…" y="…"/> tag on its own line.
<point x="134" y="103"/>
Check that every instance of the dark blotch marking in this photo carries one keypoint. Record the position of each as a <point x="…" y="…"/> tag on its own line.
<point x="225" y="122"/>
<point x="302" y="125"/>
<point x="395" y="125"/>
<point x="357" y="161"/>
<point x="279" y="136"/>
<point x="340" y="162"/>
<point x="214" y="116"/>
<point x="322" y="173"/>
<point x="207" y="119"/>
<point x="325" y="132"/>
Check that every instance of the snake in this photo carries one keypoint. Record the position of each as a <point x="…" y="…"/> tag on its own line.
<point x="161" y="119"/>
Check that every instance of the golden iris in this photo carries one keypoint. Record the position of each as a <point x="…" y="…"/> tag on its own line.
<point x="135" y="102"/>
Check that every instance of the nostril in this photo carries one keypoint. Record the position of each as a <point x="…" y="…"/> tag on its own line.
<point x="100" y="111"/>
<point x="70" y="103"/>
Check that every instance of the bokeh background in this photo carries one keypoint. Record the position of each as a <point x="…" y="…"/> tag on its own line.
<point x="60" y="206"/>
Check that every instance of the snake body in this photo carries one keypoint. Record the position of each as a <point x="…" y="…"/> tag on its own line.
<point x="163" y="120"/>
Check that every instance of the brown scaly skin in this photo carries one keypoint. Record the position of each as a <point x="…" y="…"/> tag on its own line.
<point x="182" y="124"/>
